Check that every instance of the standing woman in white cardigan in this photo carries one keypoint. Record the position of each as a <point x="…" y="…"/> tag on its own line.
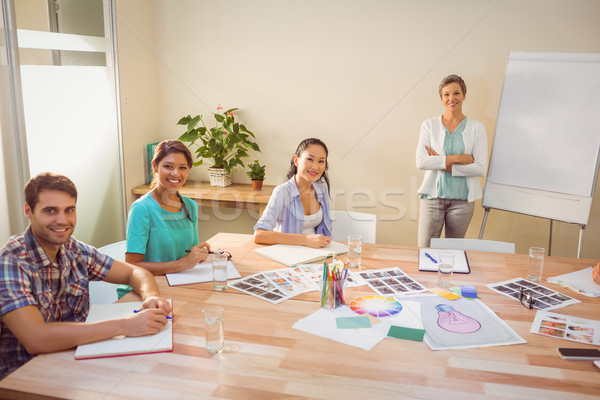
<point x="452" y="150"/>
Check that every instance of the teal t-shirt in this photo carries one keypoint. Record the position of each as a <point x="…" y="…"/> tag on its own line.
<point x="159" y="234"/>
<point x="452" y="187"/>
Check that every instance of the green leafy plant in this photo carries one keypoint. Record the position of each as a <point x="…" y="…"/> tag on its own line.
<point x="257" y="171"/>
<point x="224" y="145"/>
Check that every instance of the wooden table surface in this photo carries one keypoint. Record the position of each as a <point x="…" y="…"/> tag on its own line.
<point x="237" y="195"/>
<point x="266" y="358"/>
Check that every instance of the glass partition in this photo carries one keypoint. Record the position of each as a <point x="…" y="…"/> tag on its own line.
<point x="70" y="106"/>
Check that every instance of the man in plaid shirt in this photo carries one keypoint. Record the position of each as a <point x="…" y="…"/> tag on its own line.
<point x="44" y="294"/>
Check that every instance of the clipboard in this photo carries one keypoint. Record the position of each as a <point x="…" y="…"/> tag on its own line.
<point x="429" y="259"/>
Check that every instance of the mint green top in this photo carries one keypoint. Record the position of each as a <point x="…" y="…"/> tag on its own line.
<point x="452" y="187"/>
<point x="159" y="234"/>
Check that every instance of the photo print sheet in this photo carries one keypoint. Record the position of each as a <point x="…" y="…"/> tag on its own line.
<point x="566" y="327"/>
<point x="260" y="286"/>
<point x="391" y="281"/>
<point x="278" y="285"/>
<point x="545" y="299"/>
<point x="314" y="272"/>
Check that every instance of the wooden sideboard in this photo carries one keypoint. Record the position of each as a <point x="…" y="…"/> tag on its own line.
<point x="237" y="195"/>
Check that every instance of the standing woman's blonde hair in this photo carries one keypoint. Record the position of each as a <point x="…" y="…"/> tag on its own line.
<point x="163" y="149"/>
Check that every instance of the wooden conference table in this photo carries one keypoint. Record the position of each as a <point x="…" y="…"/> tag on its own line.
<point x="266" y="358"/>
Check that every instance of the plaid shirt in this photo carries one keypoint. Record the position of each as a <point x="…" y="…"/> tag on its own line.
<point x="59" y="290"/>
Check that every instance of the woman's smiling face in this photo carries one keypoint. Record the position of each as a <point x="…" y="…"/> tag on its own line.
<point x="172" y="171"/>
<point x="452" y="97"/>
<point x="311" y="163"/>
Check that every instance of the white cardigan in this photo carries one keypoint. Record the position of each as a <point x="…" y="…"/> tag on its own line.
<point x="475" y="139"/>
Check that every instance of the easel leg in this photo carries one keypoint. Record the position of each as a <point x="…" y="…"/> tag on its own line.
<point x="550" y="240"/>
<point x="580" y="247"/>
<point x="487" y="211"/>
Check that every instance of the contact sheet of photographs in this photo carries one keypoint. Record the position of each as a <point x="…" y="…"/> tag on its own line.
<point x="567" y="327"/>
<point x="391" y="281"/>
<point x="545" y="298"/>
<point x="281" y="284"/>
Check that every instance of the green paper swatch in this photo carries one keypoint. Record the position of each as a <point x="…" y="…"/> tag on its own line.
<point x="353" y="322"/>
<point x="400" y="332"/>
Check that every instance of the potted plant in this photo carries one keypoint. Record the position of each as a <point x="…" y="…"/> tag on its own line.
<point x="224" y="145"/>
<point x="256" y="174"/>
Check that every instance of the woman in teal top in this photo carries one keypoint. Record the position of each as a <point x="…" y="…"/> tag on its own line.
<point x="162" y="226"/>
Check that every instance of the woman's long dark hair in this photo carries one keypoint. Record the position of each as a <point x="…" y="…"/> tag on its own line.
<point x="163" y="149"/>
<point x="301" y="147"/>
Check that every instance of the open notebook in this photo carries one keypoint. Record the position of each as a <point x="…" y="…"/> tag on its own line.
<point x="293" y="255"/>
<point x="121" y="346"/>
<point x="199" y="274"/>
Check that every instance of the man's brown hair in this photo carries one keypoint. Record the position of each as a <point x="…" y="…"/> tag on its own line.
<point x="48" y="181"/>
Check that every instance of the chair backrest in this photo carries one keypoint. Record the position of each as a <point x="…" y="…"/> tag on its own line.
<point x="354" y="223"/>
<point x="473" y="244"/>
<point x="115" y="250"/>
<point x="104" y="292"/>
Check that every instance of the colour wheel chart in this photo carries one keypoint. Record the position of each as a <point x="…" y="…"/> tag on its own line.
<point x="377" y="306"/>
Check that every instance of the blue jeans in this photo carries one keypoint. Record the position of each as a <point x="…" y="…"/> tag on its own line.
<point x="434" y="214"/>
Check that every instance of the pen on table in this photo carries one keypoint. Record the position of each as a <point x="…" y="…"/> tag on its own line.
<point x="168" y="316"/>
<point x="210" y="252"/>
<point x="431" y="258"/>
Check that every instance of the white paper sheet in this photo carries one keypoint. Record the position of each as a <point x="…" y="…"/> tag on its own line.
<point x="472" y="324"/>
<point x="199" y="274"/>
<point x="578" y="281"/>
<point x="323" y="323"/>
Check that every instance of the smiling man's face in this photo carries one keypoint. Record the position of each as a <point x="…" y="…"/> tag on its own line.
<point x="53" y="219"/>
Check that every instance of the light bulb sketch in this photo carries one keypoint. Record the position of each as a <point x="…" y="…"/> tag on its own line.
<point x="454" y="321"/>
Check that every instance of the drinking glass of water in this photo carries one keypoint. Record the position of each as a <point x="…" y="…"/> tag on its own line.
<point x="445" y="269"/>
<point x="354" y="250"/>
<point x="213" y="328"/>
<point x="219" y="268"/>
<point x="536" y="263"/>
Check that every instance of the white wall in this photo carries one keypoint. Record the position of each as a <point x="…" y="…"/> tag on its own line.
<point x="138" y="86"/>
<point x="359" y="75"/>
